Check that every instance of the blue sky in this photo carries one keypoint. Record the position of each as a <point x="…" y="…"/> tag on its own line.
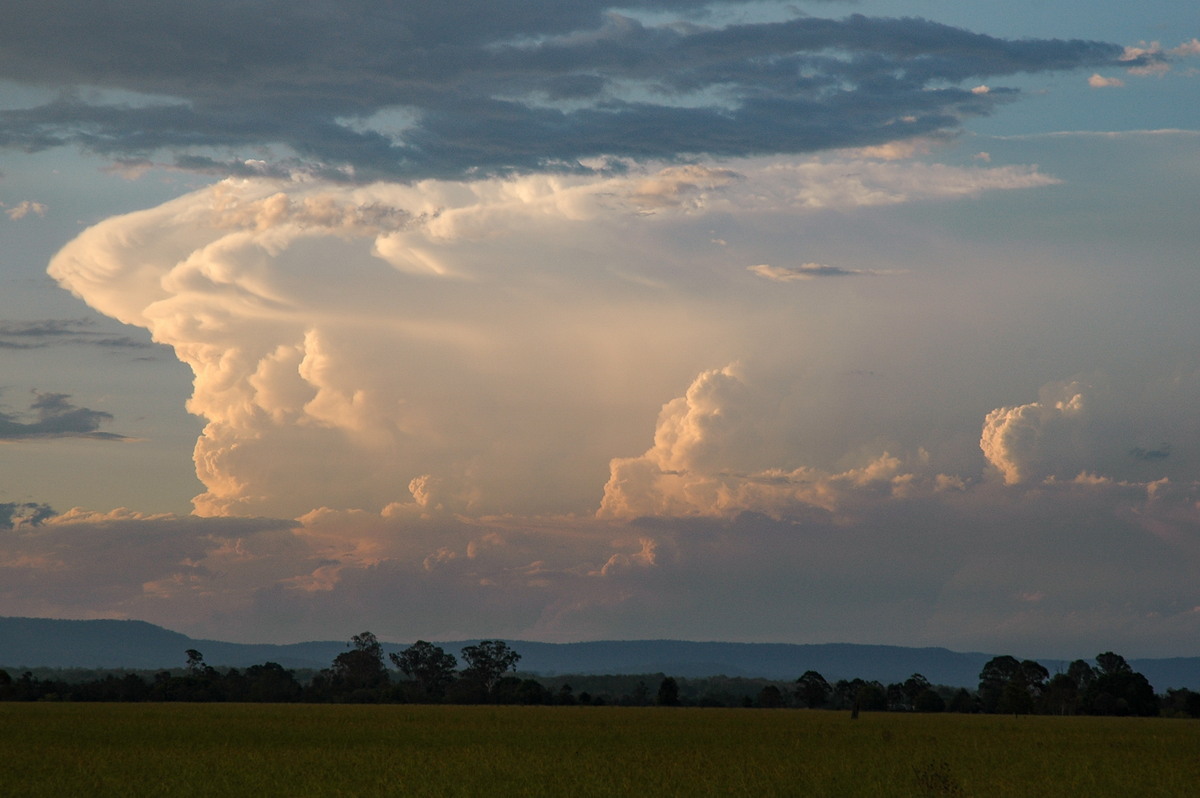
<point x="867" y="322"/>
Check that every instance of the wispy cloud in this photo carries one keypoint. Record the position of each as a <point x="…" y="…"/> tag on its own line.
<point x="808" y="271"/>
<point x="1098" y="81"/>
<point x="25" y="208"/>
<point x="63" y="332"/>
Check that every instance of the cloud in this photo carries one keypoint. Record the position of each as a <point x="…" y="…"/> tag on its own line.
<point x="716" y="453"/>
<point x="25" y="208"/>
<point x="1097" y="427"/>
<point x="397" y="332"/>
<point x="56" y="332"/>
<point x="1188" y="48"/>
<point x="1108" y="562"/>
<point x="1020" y="441"/>
<point x="465" y="88"/>
<point x="14" y="515"/>
<point x="126" y="564"/>
<point x="57" y="418"/>
<point x="1098" y="81"/>
<point x="1161" y="453"/>
<point x="806" y="271"/>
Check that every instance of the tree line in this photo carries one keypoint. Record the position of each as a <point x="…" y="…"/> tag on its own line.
<point x="425" y="673"/>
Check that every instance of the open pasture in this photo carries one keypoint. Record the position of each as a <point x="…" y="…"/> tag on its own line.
<point x="350" y="750"/>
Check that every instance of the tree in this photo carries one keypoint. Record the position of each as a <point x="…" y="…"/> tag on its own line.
<point x="270" y="681"/>
<point x="1081" y="674"/>
<point x="812" y="690"/>
<point x="1109" y="664"/>
<point x="195" y="662"/>
<point x="1118" y="689"/>
<point x="428" y="665"/>
<point x="487" y="662"/>
<point x="1179" y="703"/>
<point x="996" y="674"/>
<point x="870" y="696"/>
<point x="362" y="667"/>
<point x="641" y="695"/>
<point x="668" y="693"/>
<point x="1008" y="685"/>
<point x="914" y="686"/>
<point x="770" y="697"/>
<point x="928" y="700"/>
<point x="1062" y="695"/>
<point x="963" y="702"/>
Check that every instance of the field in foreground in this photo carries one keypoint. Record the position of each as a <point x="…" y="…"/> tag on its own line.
<point x="328" y="750"/>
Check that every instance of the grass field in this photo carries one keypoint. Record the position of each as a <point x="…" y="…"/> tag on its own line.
<point x="351" y="750"/>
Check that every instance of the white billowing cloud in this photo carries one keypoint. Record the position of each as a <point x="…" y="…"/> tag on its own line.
<point x="1133" y="430"/>
<point x="1027" y="442"/>
<point x="717" y="452"/>
<point x="1098" y="81"/>
<point x="728" y="446"/>
<point x="482" y="347"/>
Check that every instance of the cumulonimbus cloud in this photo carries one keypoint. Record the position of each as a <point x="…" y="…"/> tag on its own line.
<point x="398" y="332"/>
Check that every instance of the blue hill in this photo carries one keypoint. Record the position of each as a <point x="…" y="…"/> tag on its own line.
<point x="41" y="642"/>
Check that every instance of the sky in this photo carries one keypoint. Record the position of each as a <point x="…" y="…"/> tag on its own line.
<point x="802" y="322"/>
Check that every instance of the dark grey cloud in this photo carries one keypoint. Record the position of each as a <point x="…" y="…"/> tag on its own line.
<point x="52" y="332"/>
<point x="487" y="87"/>
<point x="56" y="417"/>
<point x="1161" y="453"/>
<point x="14" y="514"/>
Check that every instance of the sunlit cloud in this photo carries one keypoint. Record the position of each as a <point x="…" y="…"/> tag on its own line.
<point x="391" y="330"/>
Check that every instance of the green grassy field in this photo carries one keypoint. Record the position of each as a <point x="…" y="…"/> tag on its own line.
<point x="327" y="750"/>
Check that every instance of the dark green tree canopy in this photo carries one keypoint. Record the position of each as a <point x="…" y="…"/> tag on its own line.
<point x="488" y="661"/>
<point x="812" y="690"/>
<point x="1109" y="663"/>
<point x="362" y="667"/>
<point x="427" y="665"/>
<point x="1007" y="684"/>
<point x="668" y="693"/>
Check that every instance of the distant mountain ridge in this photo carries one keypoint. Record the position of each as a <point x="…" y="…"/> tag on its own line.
<point x="42" y="642"/>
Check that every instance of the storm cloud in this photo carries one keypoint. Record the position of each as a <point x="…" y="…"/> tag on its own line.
<point x="412" y="89"/>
